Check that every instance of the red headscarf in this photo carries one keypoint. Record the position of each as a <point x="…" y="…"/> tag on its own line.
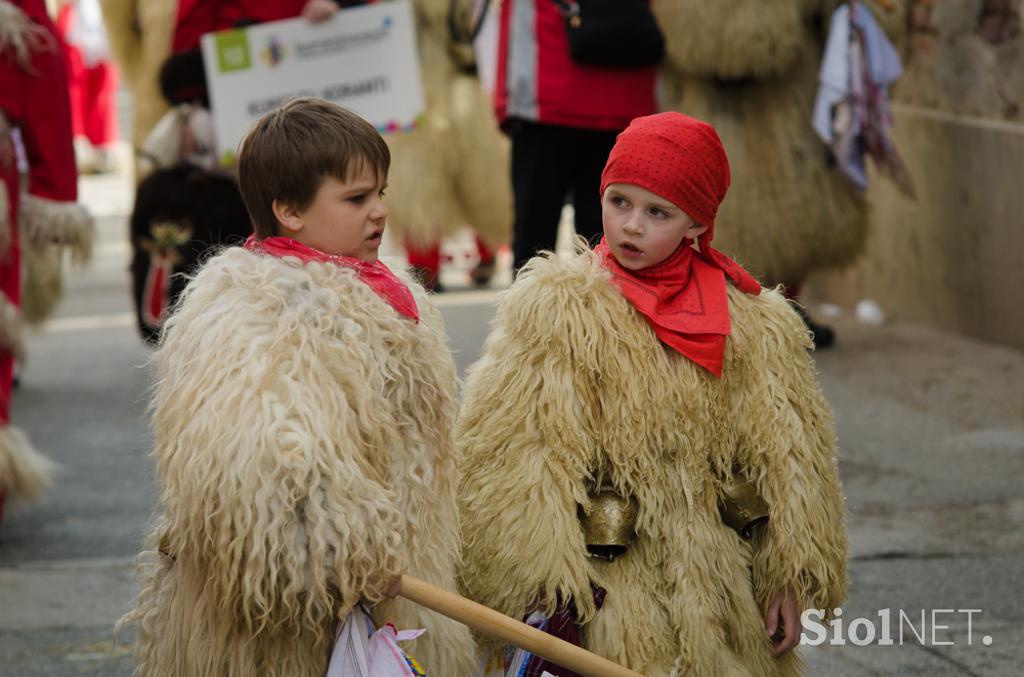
<point x="376" y="275"/>
<point x="682" y="160"/>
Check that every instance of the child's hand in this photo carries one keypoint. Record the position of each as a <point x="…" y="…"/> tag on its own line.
<point x="316" y="11"/>
<point x="782" y="621"/>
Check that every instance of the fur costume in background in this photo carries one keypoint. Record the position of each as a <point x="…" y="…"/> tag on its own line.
<point x="140" y="38"/>
<point x="452" y="171"/>
<point x="181" y="215"/>
<point x="48" y="234"/>
<point x="751" y="69"/>
<point x="574" y="388"/>
<point x="38" y="208"/>
<point x="304" y="449"/>
<point x="186" y="207"/>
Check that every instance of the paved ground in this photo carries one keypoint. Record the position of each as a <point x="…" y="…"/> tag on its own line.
<point x="931" y="428"/>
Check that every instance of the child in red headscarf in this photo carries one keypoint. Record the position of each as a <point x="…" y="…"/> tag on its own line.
<point x="645" y="421"/>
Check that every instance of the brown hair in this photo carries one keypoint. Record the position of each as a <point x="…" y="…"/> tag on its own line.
<point x="291" y="150"/>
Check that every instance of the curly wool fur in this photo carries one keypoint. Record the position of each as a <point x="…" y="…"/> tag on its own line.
<point x="788" y="211"/>
<point x="42" y="284"/>
<point x="303" y="443"/>
<point x="574" y="385"/>
<point x="48" y="228"/>
<point x="24" y="473"/>
<point x="452" y="171"/>
<point x="67" y="224"/>
<point x="730" y="39"/>
<point x="12" y="338"/>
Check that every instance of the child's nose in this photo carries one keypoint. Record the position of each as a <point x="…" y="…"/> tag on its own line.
<point x="632" y="225"/>
<point x="379" y="211"/>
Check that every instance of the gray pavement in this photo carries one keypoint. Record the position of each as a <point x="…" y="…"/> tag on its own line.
<point x="931" y="428"/>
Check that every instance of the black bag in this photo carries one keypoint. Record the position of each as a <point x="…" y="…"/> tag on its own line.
<point x="614" y="33"/>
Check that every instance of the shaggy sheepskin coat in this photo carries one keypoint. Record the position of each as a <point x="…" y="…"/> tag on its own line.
<point x="573" y="384"/>
<point x="452" y="171"/>
<point x="304" y="450"/>
<point x="750" y="68"/>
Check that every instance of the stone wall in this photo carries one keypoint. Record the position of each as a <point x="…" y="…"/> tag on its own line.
<point x="954" y="258"/>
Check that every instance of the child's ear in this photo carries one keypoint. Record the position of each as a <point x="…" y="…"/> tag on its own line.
<point x="695" y="231"/>
<point x="287" y="215"/>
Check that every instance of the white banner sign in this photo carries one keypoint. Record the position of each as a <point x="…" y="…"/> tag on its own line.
<point x="363" y="58"/>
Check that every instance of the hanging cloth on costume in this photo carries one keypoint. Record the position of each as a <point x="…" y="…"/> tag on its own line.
<point x="851" y="110"/>
<point x="376" y="275"/>
<point x="361" y="650"/>
<point x="563" y="624"/>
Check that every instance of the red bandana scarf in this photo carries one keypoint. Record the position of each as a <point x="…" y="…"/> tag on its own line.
<point x="376" y="275"/>
<point x="684" y="297"/>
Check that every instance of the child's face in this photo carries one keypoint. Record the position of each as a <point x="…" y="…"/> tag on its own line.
<point x="345" y="218"/>
<point x="641" y="228"/>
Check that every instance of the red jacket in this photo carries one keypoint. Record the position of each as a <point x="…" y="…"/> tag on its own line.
<point x="34" y="98"/>
<point x="196" y="17"/>
<point x="537" y="80"/>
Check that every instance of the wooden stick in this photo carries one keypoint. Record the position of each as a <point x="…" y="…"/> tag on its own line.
<point x="500" y="626"/>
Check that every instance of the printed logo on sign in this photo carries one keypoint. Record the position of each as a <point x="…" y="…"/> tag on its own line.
<point x="233" y="51"/>
<point x="273" y="53"/>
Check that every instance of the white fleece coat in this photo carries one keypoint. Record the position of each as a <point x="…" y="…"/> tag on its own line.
<point x="573" y="383"/>
<point x="304" y="450"/>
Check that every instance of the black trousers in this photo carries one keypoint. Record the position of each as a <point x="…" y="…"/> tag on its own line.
<point x="550" y="164"/>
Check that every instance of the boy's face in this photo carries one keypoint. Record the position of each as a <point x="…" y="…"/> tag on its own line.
<point x="641" y="228"/>
<point x="345" y="218"/>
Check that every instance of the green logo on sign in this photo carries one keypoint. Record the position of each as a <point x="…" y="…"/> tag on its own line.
<point x="233" y="51"/>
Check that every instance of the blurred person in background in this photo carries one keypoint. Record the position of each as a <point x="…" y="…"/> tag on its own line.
<point x="562" y="117"/>
<point x="92" y="82"/>
<point x="451" y="170"/>
<point x="38" y="207"/>
<point x="139" y="32"/>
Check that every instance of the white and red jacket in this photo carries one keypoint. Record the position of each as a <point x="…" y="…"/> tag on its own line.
<point x="538" y="82"/>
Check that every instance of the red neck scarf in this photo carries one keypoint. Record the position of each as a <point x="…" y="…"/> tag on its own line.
<point x="376" y="275"/>
<point x="684" y="300"/>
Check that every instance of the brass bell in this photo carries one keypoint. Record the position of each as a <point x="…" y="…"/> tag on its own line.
<point x="741" y="507"/>
<point x="609" y="525"/>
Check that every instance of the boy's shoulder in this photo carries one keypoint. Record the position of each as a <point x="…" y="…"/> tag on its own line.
<point x="237" y="271"/>
<point x="237" y="268"/>
<point x="564" y="303"/>
<point x="578" y="275"/>
<point x="270" y="286"/>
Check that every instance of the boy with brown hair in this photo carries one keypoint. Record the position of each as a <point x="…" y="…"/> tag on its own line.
<point x="638" y="412"/>
<point x="303" y="419"/>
